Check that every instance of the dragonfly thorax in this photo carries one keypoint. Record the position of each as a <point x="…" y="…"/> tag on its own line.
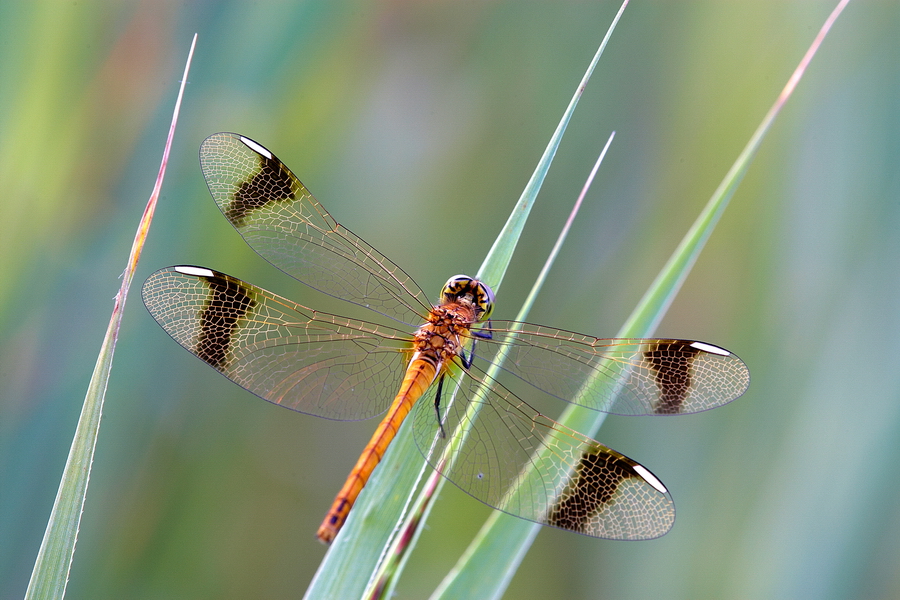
<point x="444" y="335"/>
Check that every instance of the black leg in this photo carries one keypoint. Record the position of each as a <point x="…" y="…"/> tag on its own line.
<point x="437" y="405"/>
<point x="466" y="358"/>
<point x="485" y="332"/>
<point x="477" y="334"/>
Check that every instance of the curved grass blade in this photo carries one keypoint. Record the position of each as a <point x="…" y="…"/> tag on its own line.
<point x="489" y="563"/>
<point x="354" y="557"/>
<point x="54" y="559"/>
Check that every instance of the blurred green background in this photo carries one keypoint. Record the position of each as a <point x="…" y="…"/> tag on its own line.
<point x="417" y="125"/>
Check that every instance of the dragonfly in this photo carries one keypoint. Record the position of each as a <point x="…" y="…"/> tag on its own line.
<point x="447" y="366"/>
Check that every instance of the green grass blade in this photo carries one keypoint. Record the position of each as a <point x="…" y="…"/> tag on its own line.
<point x="494" y="266"/>
<point x="353" y="559"/>
<point x="54" y="559"/>
<point x="399" y="552"/>
<point x="489" y="563"/>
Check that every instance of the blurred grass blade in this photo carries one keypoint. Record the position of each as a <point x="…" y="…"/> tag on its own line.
<point x="353" y="559"/>
<point x="54" y="559"/>
<point x="487" y="566"/>
<point x="400" y="550"/>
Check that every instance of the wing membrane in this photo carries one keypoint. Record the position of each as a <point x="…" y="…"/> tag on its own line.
<point x="278" y="217"/>
<point x="523" y="463"/>
<point x="305" y="360"/>
<point x="629" y="376"/>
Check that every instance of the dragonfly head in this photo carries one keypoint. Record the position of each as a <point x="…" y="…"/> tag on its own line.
<point x="477" y="293"/>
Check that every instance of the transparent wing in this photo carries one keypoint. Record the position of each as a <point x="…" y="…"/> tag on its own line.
<point x="523" y="463"/>
<point x="280" y="219"/>
<point x="308" y="361"/>
<point x="628" y="376"/>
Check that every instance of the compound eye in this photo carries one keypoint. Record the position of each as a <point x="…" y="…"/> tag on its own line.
<point x="484" y="299"/>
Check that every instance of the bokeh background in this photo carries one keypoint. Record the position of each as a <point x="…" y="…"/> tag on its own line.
<point x="417" y="125"/>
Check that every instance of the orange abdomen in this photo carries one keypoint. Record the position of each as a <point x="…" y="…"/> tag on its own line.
<point x="419" y="376"/>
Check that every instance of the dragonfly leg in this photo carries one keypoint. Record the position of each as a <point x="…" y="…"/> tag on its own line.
<point x="437" y="405"/>
<point x="477" y="334"/>
<point x="484" y="332"/>
<point x="466" y="358"/>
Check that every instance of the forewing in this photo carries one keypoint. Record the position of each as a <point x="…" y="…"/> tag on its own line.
<point x="283" y="222"/>
<point x="283" y="352"/>
<point x="620" y="376"/>
<point x="527" y="465"/>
